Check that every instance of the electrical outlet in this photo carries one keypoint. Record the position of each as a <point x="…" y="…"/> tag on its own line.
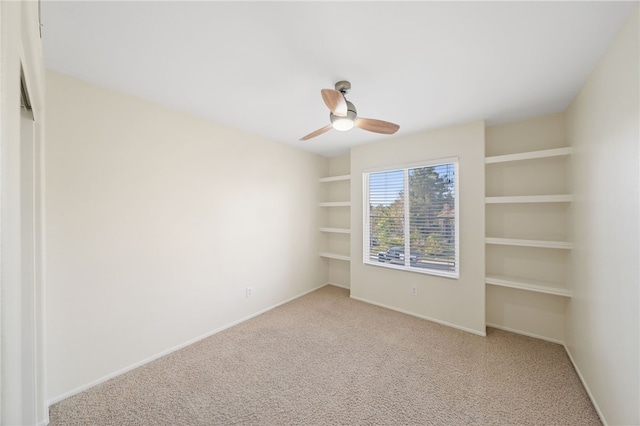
<point x="249" y="291"/>
<point x="414" y="290"/>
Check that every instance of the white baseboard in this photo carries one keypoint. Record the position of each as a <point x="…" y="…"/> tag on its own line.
<point x="586" y="387"/>
<point x="526" y="333"/>
<point x="339" y="285"/>
<point x="170" y="350"/>
<point x="424" y="317"/>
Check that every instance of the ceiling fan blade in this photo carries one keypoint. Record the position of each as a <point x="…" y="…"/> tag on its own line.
<point x="377" y="126"/>
<point x="316" y="133"/>
<point x="335" y="101"/>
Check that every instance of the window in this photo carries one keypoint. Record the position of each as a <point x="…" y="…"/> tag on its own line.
<point x="413" y="210"/>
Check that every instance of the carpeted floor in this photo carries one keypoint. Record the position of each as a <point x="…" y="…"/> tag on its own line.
<point x="325" y="359"/>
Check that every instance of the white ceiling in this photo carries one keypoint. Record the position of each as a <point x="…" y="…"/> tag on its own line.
<point x="259" y="66"/>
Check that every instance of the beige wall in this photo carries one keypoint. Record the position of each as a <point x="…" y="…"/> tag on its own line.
<point x="602" y="318"/>
<point x="157" y="222"/>
<point x="459" y="303"/>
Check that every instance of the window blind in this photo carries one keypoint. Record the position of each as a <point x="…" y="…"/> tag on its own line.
<point x="413" y="210"/>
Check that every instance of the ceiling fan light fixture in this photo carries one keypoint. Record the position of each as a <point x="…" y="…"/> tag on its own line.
<point x="342" y="123"/>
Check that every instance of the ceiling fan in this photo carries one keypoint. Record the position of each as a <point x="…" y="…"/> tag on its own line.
<point x="343" y="115"/>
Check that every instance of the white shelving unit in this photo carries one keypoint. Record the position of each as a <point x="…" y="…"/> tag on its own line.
<point x="545" y="153"/>
<point x="522" y="282"/>
<point x="335" y="178"/>
<point x="564" y="198"/>
<point x="529" y="243"/>
<point x="335" y="235"/>
<point x="336" y="204"/>
<point x="527" y="284"/>
<point x="336" y="230"/>
<point x="335" y="256"/>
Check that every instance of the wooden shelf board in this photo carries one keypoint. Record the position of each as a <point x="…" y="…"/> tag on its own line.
<point x="527" y="284"/>
<point x="334" y="178"/>
<point x="336" y="230"/>
<point x="335" y="256"/>
<point x="529" y="243"/>
<point x="563" y="198"/>
<point x="336" y="204"/>
<point x="546" y="153"/>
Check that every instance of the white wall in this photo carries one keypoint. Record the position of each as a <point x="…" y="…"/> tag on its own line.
<point x="21" y="337"/>
<point x="459" y="303"/>
<point x="602" y="330"/>
<point x="157" y="222"/>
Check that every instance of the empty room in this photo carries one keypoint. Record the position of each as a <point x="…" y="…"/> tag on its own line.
<point x="319" y="213"/>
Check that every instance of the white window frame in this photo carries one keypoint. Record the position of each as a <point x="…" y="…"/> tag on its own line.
<point x="366" y="258"/>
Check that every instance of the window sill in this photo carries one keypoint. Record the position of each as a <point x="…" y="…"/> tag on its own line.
<point x="424" y="271"/>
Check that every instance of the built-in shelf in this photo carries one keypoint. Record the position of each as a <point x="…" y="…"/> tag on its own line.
<point x="530" y="243"/>
<point x="527" y="284"/>
<point x="335" y="256"/>
<point x="546" y="153"/>
<point x="336" y="230"/>
<point x="529" y="199"/>
<point x="336" y="204"/>
<point x="334" y="178"/>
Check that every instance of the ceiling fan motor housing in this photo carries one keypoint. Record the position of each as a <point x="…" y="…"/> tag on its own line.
<point x="343" y="87"/>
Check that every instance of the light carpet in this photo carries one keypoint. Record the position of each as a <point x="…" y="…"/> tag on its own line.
<point x="325" y="359"/>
